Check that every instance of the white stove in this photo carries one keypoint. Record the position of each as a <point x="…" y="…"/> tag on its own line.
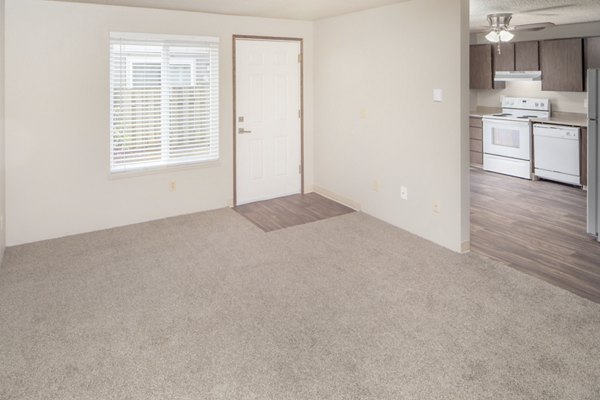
<point x="507" y="135"/>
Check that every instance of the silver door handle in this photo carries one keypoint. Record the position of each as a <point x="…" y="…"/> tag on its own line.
<point x="242" y="131"/>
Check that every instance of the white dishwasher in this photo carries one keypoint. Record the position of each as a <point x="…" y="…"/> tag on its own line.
<point x="556" y="153"/>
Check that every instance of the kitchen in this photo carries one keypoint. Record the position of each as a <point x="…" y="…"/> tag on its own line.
<point x="534" y="198"/>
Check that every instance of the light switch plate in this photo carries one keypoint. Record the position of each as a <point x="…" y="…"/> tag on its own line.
<point x="438" y="95"/>
<point x="403" y="192"/>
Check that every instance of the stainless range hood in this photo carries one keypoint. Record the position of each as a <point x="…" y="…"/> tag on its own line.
<point x="523" y="76"/>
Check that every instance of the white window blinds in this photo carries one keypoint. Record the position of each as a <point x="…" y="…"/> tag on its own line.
<point x="164" y="95"/>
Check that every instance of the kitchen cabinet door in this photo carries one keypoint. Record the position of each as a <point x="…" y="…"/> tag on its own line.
<point x="527" y="56"/>
<point x="475" y="133"/>
<point x="475" y="141"/>
<point x="562" y="65"/>
<point x="592" y="52"/>
<point x="475" y="122"/>
<point x="583" y="156"/>
<point x="505" y="61"/>
<point x="481" y="68"/>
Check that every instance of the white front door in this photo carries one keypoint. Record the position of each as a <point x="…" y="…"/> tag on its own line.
<point x="268" y="119"/>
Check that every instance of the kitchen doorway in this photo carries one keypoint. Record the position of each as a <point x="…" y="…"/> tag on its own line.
<point x="268" y="118"/>
<point x="529" y="172"/>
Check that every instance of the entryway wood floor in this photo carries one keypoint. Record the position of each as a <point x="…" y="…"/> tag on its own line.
<point x="288" y="211"/>
<point x="535" y="227"/>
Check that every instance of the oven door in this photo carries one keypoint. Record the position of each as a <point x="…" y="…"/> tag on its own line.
<point x="507" y="138"/>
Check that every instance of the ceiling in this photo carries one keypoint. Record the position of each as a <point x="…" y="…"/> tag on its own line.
<point x="290" y="9"/>
<point x="567" y="11"/>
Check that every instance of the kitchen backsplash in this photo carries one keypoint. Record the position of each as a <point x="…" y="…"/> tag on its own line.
<point x="561" y="101"/>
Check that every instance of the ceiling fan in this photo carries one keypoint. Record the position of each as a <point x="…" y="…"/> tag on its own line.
<point x="499" y="28"/>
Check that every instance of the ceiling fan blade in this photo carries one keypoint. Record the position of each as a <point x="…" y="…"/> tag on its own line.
<point x="532" y="27"/>
<point x="480" y="29"/>
<point x="536" y="10"/>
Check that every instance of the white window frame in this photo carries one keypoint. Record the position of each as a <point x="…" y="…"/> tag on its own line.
<point x="165" y="128"/>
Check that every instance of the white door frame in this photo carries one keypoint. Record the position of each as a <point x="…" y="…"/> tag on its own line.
<point x="273" y="39"/>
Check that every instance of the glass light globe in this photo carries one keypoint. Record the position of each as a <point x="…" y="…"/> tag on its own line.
<point x="506" y="36"/>
<point x="493" y="37"/>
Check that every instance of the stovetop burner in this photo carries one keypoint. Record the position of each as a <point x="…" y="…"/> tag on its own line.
<point x="522" y="110"/>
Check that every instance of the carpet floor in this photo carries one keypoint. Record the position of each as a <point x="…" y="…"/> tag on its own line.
<point x="208" y="306"/>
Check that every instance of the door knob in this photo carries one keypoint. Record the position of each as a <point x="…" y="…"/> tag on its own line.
<point x="242" y="131"/>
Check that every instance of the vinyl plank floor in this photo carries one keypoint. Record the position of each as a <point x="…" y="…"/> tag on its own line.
<point x="288" y="211"/>
<point x="537" y="227"/>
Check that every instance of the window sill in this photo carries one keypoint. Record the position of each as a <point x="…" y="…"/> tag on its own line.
<point x="163" y="169"/>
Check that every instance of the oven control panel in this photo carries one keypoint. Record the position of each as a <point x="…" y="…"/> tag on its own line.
<point x="525" y="103"/>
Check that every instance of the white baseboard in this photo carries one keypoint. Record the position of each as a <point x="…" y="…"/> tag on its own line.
<point x="335" y="197"/>
<point x="465" y="247"/>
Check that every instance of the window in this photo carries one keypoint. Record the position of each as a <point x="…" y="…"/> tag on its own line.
<point x="164" y="94"/>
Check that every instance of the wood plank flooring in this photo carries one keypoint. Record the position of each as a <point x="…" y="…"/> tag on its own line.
<point x="285" y="212"/>
<point x="535" y="227"/>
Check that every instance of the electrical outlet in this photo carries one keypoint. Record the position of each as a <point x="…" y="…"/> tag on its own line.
<point x="403" y="192"/>
<point x="173" y="186"/>
<point x="436" y="207"/>
<point x="376" y="185"/>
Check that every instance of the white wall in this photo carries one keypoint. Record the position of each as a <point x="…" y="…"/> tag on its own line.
<point x="377" y="125"/>
<point x="2" y="161"/>
<point x="561" y="101"/>
<point x="57" y="136"/>
<point x="473" y="98"/>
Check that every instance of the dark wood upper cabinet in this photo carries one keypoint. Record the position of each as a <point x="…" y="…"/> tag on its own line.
<point x="519" y="56"/>
<point x="482" y="62"/>
<point x="481" y="76"/>
<point x="592" y="52"/>
<point x="527" y="56"/>
<point x="505" y="61"/>
<point x="563" y="62"/>
<point x="562" y="65"/>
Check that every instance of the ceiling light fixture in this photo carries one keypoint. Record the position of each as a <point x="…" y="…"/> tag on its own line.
<point x="500" y="31"/>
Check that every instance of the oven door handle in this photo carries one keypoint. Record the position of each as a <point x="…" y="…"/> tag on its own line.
<point x="506" y="123"/>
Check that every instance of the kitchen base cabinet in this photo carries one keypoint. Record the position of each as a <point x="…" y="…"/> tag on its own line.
<point x="476" y="141"/>
<point x="476" y="159"/>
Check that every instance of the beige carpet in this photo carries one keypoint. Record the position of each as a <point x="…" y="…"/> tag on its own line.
<point x="210" y="307"/>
